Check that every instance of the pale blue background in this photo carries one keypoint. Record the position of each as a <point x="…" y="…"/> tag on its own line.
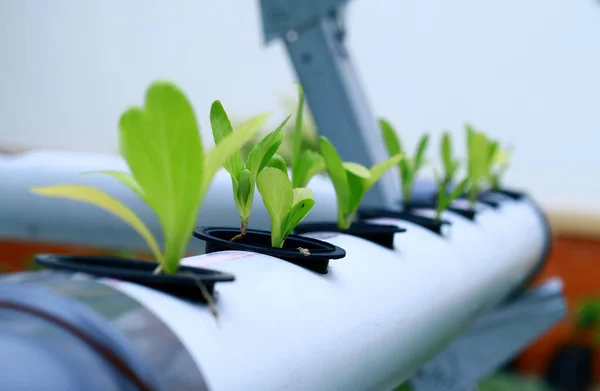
<point x="525" y="71"/>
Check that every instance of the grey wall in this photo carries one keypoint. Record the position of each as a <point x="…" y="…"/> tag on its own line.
<point x="525" y="71"/>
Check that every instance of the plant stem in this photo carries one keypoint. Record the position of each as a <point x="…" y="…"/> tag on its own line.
<point x="438" y="212"/>
<point x="406" y="190"/>
<point x="350" y="220"/>
<point x="205" y="294"/>
<point x="276" y="239"/>
<point x="343" y="221"/>
<point x="447" y="181"/>
<point x="495" y="179"/>
<point x="473" y="193"/>
<point x="243" y="231"/>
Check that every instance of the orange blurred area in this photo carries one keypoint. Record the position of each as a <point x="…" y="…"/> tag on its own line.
<point x="576" y="260"/>
<point x="19" y="256"/>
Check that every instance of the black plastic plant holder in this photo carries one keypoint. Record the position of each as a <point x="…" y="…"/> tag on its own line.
<point x="422" y="221"/>
<point x="317" y="259"/>
<point x="183" y="284"/>
<point x="485" y="198"/>
<point x="489" y="200"/>
<point x="493" y="198"/>
<point x="571" y="368"/>
<point x="418" y="204"/>
<point x="516" y="195"/>
<point x="382" y="234"/>
<point x="467" y="213"/>
<point x="431" y="204"/>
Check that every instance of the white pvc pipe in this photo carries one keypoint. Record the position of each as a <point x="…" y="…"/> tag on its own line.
<point x="367" y="325"/>
<point x="515" y="231"/>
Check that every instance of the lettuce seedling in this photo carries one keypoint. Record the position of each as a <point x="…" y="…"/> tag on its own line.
<point x="451" y="164"/>
<point x="351" y="180"/>
<point x="287" y="206"/>
<point x="244" y="174"/>
<point x="170" y="171"/>
<point x="408" y="167"/>
<point x="277" y="161"/>
<point x="499" y="163"/>
<point x="445" y="198"/>
<point x="305" y="163"/>
<point x="478" y="151"/>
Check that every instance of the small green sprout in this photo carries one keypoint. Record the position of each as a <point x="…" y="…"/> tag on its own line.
<point x="309" y="138"/>
<point x="277" y="161"/>
<point x="170" y="171"/>
<point x="244" y="175"/>
<point x="588" y="313"/>
<point x="451" y="164"/>
<point x="305" y="163"/>
<point x="499" y="163"/>
<point x="478" y="152"/>
<point x="351" y="180"/>
<point x="445" y="198"/>
<point x="408" y="167"/>
<point x="287" y="206"/>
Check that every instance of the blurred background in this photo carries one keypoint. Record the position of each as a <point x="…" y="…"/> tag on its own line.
<point x="523" y="71"/>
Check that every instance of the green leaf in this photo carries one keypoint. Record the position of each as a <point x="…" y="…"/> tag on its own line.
<point x="106" y="202"/>
<point x="360" y="185"/>
<point x="470" y="132"/>
<point x="495" y="182"/>
<point x="588" y="314"/>
<point x="453" y="170"/>
<point x="492" y="151"/>
<point x="278" y="196"/>
<point x="406" y="175"/>
<point x="229" y="145"/>
<point x="447" y="154"/>
<point x="458" y="190"/>
<point x="302" y="194"/>
<point x="337" y="174"/>
<point x="303" y="203"/>
<point x="221" y="127"/>
<point x="477" y="152"/>
<point x="478" y="156"/>
<point x="420" y="154"/>
<point x="262" y="152"/>
<point x="238" y="202"/>
<point x="125" y="178"/>
<point x="161" y="144"/>
<point x="381" y="168"/>
<point x="390" y="137"/>
<point x="441" y="187"/>
<point x="357" y="191"/>
<point x="308" y="165"/>
<point x="244" y="194"/>
<point x="357" y="169"/>
<point x="278" y="162"/>
<point x="498" y="166"/>
<point x="442" y="196"/>
<point x="297" y="137"/>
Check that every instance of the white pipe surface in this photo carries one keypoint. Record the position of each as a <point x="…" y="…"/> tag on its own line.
<point x="376" y="317"/>
<point x="516" y="231"/>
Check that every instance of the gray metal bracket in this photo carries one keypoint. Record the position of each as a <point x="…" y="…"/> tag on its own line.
<point x="314" y="34"/>
<point x="493" y="340"/>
